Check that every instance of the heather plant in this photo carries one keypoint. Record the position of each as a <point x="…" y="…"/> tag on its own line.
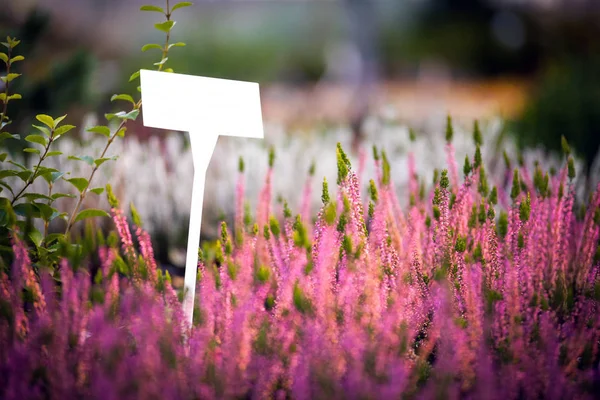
<point x="20" y="205"/>
<point x="467" y="292"/>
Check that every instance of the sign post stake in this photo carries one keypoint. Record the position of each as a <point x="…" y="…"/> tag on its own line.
<point x="206" y="108"/>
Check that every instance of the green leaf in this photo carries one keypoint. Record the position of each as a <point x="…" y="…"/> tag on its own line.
<point x="36" y="196"/>
<point x="46" y="170"/>
<point x="25" y="209"/>
<point x="12" y="42"/>
<point x="135" y="75"/>
<point x="52" y="237"/>
<point x="125" y="97"/>
<point x="181" y="5"/>
<point x="178" y="44"/>
<point x="39" y="139"/>
<point x="46" y="120"/>
<point x="8" y="187"/>
<point x="45" y="210"/>
<point x="100" y="161"/>
<point x="168" y="70"/>
<point x="61" y="195"/>
<point x="53" y="153"/>
<point x="31" y="150"/>
<point x="3" y="156"/>
<point x="10" y="77"/>
<point x="86" y="159"/>
<point x="56" y="176"/>
<point x="16" y="164"/>
<point x="36" y="237"/>
<point x="131" y="115"/>
<point x="79" y="183"/>
<point x="56" y="214"/>
<point x="3" y="57"/>
<point x="24" y="175"/>
<point x="61" y="130"/>
<point x="91" y="212"/>
<point x="98" y="190"/>
<point x="43" y="129"/>
<point x="121" y="132"/>
<point x="59" y="120"/>
<point x="149" y="46"/>
<point x="16" y="58"/>
<point x="7" y="172"/>
<point x="6" y="135"/>
<point x="152" y="8"/>
<point x="15" y="96"/>
<point x="165" y="26"/>
<point x="103" y="130"/>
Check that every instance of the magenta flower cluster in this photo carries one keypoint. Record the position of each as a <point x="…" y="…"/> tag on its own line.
<point x="471" y="291"/>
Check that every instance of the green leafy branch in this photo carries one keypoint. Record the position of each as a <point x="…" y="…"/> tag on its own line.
<point x="5" y="98"/>
<point x="123" y="117"/>
<point x="51" y="132"/>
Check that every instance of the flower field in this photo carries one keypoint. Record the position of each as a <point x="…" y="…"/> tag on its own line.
<point x="423" y="267"/>
<point x="471" y="291"/>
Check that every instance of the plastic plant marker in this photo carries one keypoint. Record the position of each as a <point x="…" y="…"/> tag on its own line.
<point x="206" y="108"/>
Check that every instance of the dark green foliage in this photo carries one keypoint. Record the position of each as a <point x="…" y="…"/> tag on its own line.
<point x="516" y="186"/>
<point x="565" y="145"/>
<point x="412" y="135"/>
<point x="477" y="160"/>
<point x="503" y="224"/>
<point x="373" y="191"/>
<point x="343" y="164"/>
<point x="482" y="185"/>
<point x="436" y="176"/>
<point x="287" y="213"/>
<point x="386" y="169"/>
<point x="525" y="209"/>
<point x="493" y="198"/>
<point x="375" y="153"/>
<point x="330" y="213"/>
<point x="449" y="129"/>
<point x="274" y="226"/>
<point x="444" y="181"/>
<point x="481" y="216"/>
<point x="477" y="137"/>
<point x="271" y="156"/>
<point x="571" y="168"/>
<point x="325" y="192"/>
<point x="467" y="168"/>
<point x="461" y="244"/>
<point x="506" y="159"/>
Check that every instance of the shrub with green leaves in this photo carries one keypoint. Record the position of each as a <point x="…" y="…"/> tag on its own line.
<point x="20" y="207"/>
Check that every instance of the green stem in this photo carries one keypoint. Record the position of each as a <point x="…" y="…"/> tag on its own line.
<point x="35" y="171"/>
<point x="84" y="191"/>
<point x="137" y="106"/>
<point x="5" y="103"/>
<point x="165" y="49"/>
<point x="46" y="223"/>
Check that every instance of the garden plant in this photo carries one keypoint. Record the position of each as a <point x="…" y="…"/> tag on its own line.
<point x="473" y="289"/>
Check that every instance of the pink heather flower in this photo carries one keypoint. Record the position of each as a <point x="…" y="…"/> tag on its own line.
<point x="147" y="253"/>
<point x="239" y="201"/>
<point x="124" y="233"/>
<point x="453" y="168"/>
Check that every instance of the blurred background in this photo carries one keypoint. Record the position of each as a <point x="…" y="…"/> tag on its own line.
<point x="354" y="71"/>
